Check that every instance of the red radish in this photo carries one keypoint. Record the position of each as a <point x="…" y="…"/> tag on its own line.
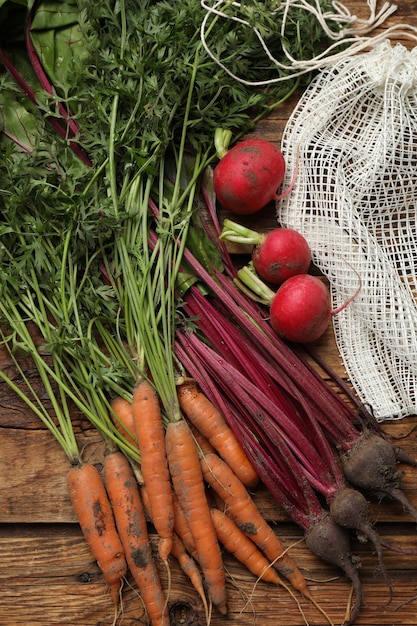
<point x="248" y="175"/>
<point x="283" y="253"/>
<point x="300" y="310"/>
<point x="277" y="255"/>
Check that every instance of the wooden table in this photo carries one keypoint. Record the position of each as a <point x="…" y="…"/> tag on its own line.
<point x="48" y="576"/>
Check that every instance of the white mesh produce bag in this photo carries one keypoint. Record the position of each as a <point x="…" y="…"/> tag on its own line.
<point x="354" y="134"/>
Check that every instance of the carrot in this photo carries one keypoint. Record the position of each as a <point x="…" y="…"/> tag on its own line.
<point x="150" y="434"/>
<point x="202" y="442"/>
<point x="189" y="486"/>
<point x="179" y="550"/>
<point x="182" y="528"/>
<point x="145" y="500"/>
<point x="130" y="518"/>
<point x="95" y="516"/>
<point x="123" y="419"/>
<point x="210" y="422"/>
<point x="189" y="567"/>
<point x="243" y="549"/>
<point x="247" y="516"/>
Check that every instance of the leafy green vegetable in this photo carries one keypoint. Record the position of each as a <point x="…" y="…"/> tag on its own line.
<point x="17" y="122"/>
<point x="54" y="29"/>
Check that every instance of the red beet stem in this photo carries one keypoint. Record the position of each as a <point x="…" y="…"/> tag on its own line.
<point x="234" y="346"/>
<point x="250" y="318"/>
<point x="274" y="426"/>
<point x="72" y="126"/>
<point x="285" y="481"/>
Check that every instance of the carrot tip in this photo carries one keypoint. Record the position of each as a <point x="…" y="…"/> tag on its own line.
<point x="222" y="609"/>
<point x="164" y="548"/>
<point x="115" y="593"/>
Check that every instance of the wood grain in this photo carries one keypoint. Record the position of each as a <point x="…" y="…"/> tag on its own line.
<point x="49" y="578"/>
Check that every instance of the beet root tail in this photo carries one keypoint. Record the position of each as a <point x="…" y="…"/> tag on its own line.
<point x="373" y="536"/>
<point x="352" y="573"/>
<point x="400" y="496"/>
<point x="403" y="457"/>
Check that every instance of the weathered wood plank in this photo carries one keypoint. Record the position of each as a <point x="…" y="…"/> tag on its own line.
<point x="33" y="468"/>
<point x="49" y="577"/>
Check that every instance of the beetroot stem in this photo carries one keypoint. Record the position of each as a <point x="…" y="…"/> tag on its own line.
<point x="273" y="424"/>
<point x="72" y="125"/>
<point x="230" y="342"/>
<point x="282" y="390"/>
<point x="250" y="319"/>
<point x="274" y="477"/>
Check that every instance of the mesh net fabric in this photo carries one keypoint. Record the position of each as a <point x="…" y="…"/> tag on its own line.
<point x="354" y="135"/>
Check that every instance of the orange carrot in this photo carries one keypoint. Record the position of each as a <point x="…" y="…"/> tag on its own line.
<point x="245" y="513"/>
<point x="130" y="518"/>
<point x="189" y="567"/>
<point x="150" y="434"/>
<point x="182" y="528"/>
<point x="202" y="442"/>
<point x="123" y="419"/>
<point x="95" y="516"/>
<point x="145" y="499"/>
<point x="210" y="422"/>
<point x="178" y="549"/>
<point x="189" y="486"/>
<point x="243" y="549"/>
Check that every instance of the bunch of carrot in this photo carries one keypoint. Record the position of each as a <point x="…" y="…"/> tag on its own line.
<point x="196" y="481"/>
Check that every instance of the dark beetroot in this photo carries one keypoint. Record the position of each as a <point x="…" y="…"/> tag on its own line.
<point x="282" y="253"/>
<point x="371" y="465"/>
<point x="350" y="509"/>
<point x="331" y="542"/>
<point x="248" y="176"/>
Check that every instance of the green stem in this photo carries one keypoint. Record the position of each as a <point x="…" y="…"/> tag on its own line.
<point x="63" y="432"/>
<point x="248" y="277"/>
<point x="112" y="160"/>
<point x="232" y="231"/>
<point x="222" y="139"/>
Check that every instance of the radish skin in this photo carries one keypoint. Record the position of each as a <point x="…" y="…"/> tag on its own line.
<point x="277" y="255"/>
<point x="248" y="175"/>
<point x="300" y="310"/>
<point x="283" y="253"/>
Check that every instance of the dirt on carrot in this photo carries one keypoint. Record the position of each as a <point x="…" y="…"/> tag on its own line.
<point x="95" y="516"/>
<point x="247" y="516"/>
<point x="243" y="549"/>
<point x="131" y="524"/>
